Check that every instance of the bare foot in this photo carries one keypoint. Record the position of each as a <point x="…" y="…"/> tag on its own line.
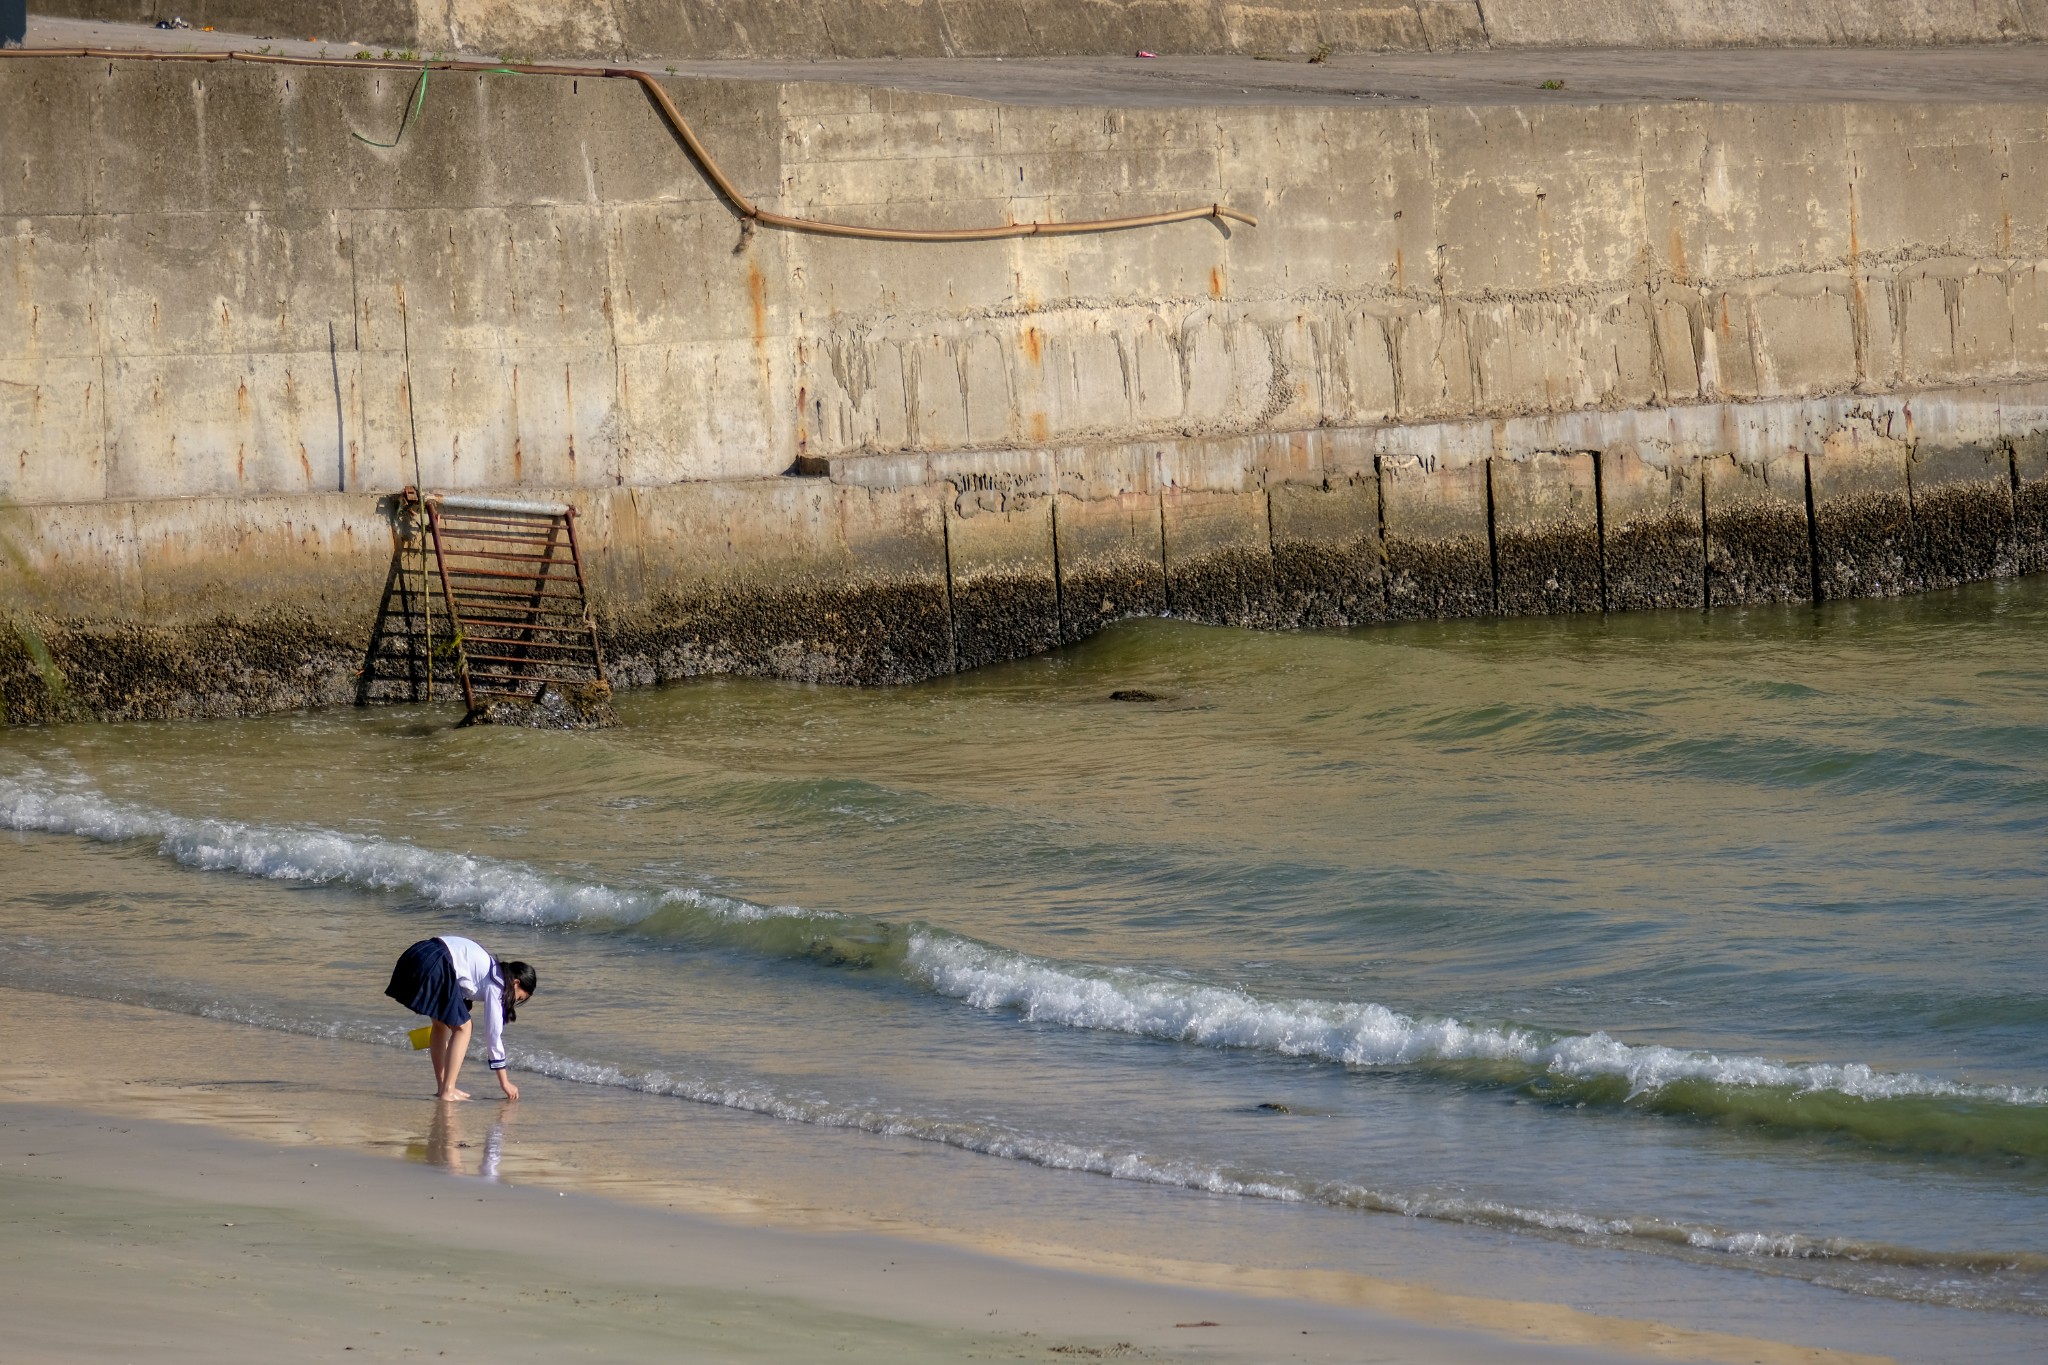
<point x="452" y="1096"/>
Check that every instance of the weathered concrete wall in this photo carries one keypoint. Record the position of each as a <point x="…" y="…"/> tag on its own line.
<point x="215" y="287"/>
<point x="893" y="568"/>
<point x="965" y="28"/>
<point x="1471" y="361"/>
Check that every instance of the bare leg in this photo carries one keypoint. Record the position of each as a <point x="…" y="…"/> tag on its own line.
<point x="449" y="1046"/>
<point x="437" y="1052"/>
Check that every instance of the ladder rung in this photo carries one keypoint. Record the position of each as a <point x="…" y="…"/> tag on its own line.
<point x="538" y="627"/>
<point x="557" y="652"/>
<point x="458" y="544"/>
<point x="515" y="592"/>
<point x="481" y="626"/>
<point x="576" y="646"/>
<point x="464" y="525"/>
<point x="490" y="530"/>
<point x="563" y="560"/>
<point x="488" y="612"/>
<point x="519" y="678"/>
<point x="533" y="587"/>
<point x="456" y="571"/>
<point x="514" y="659"/>
<point x="514" y="611"/>
<point x="504" y="675"/>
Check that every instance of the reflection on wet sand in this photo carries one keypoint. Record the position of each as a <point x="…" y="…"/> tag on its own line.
<point x="448" y="1144"/>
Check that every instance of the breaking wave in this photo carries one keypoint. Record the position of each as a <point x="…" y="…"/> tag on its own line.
<point x="2012" y="1281"/>
<point x="494" y="889"/>
<point x="1899" y="1111"/>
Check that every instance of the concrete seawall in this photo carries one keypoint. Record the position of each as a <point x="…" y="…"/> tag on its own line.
<point x="894" y="568"/>
<point x="632" y="29"/>
<point x="1473" y="360"/>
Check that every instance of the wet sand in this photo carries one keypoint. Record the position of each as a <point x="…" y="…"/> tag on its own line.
<point x="150" y="1210"/>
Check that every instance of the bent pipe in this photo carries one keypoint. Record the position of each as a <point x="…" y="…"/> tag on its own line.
<point x="706" y="163"/>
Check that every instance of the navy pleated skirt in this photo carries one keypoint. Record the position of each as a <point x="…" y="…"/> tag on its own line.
<point x="424" y="982"/>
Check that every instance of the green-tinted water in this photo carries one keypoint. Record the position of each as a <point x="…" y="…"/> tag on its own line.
<point x="1704" y="952"/>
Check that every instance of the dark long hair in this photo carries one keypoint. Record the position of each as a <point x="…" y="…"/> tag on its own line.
<point x="521" y="975"/>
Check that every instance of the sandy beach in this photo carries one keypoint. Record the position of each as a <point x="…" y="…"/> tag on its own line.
<point x="205" y="1191"/>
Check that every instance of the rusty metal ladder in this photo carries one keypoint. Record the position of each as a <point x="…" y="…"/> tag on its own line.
<point x="517" y="618"/>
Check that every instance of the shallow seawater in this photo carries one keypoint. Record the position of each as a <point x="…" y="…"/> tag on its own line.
<point x="1676" y="966"/>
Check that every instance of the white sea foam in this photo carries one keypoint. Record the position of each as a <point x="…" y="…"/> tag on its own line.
<point x="983" y="976"/>
<point x="1106" y="1159"/>
<point x="1369" y="1035"/>
<point x="495" y="889"/>
<point x="1066" y="1154"/>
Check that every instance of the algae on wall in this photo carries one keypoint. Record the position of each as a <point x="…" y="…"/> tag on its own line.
<point x="32" y="687"/>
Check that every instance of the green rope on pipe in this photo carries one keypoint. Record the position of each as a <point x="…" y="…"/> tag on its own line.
<point x="419" y="101"/>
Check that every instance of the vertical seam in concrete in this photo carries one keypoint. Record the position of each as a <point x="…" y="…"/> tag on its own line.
<point x="106" y="432"/>
<point x="1059" y="587"/>
<point x="1379" y="507"/>
<point x="1165" y="574"/>
<point x="1812" y="532"/>
<point x="1379" y="498"/>
<point x="1272" y="606"/>
<point x="411" y="421"/>
<point x="355" y="327"/>
<point x="1706" y="557"/>
<point x="946" y="544"/>
<point x="355" y="294"/>
<point x="340" y="431"/>
<point x="1600" y="525"/>
<point x="90" y="221"/>
<point x="1492" y="539"/>
<point x="621" y="428"/>
<point x="2012" y="508"/>
<point x="639" y="545"/>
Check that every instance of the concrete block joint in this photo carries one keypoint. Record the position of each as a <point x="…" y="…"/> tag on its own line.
<point x="889" y="573"/>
